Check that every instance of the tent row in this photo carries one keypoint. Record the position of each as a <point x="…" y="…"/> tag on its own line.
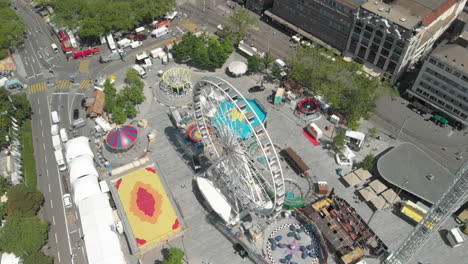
<point x="101" y="240"/>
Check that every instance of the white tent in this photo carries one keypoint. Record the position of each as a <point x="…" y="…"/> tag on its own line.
<point x="9" y="258"/>
<point x="101" y="240"/>
<point x="237" y="68"/>
<point x="82" y="166"/>
<point x="85" y="187"/>
<point x="77" y="147"/>
<point x="215" y="199"/>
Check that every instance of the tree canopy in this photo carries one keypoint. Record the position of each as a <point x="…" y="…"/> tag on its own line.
<point x="5" y="184"/>
<point x="11" y="28"/>
<point x="23" y="235"/>
<point x="19" y="109"/>
<point x="122" y="105"/>
<point x="23" y="200"/>
<point x="38" y="258"/>
<point x="339" y="141"/>
<point x="343" y="84"/>
<point x="242" y="21"/>
<point x="203" y="51"/>
<point x="174" y="256"/>
<point x="95" y="18"/>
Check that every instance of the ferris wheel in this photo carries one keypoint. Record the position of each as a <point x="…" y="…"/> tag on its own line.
<point x="245" y="166"/>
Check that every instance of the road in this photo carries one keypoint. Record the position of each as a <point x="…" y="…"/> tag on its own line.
<point x="38" y="58"/>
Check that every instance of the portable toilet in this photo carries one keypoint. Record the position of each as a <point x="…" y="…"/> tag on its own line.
<point x="279" y="96"/>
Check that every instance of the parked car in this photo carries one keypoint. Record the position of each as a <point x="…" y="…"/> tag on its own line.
<point x="130" y="36"/>
<point x="135" y="44"/>
<point x="140" y="37"/>
<point x="67" y="200"/>
<point x="256" y="88"/>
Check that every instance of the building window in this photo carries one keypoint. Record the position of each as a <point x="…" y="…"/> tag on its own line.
<point x="395" y="57"/>
<point x="391" y="67"/>
<point x="440" y="102"/>
<point x="357" y="30"/>
<point x="362" y="52"/>
<point x="449" y="107"/>
<point x="387" y="45"/>
<point x="418" y="90"/>
<point x="465" y="78"/>
<point x="448" y="69"/>
<point x="365" y="42"/>
<point x="432" y="61"/>
<point x="400" y="44"/>
<point x="381" y="62"/>
<point x="369" y="28"/>
<point x="379" y="33"/>
<point x="371" y="57"/>
<point x="359" y="23"/>
<point x="463" y="115"/>
<point x="385" y="52"/>
<point x="398" y="50"/>
<point x="456" y="111"/>
<point x="457" y="74"/>
<point x="367" y="35"/>
<point x="389" y="39"/>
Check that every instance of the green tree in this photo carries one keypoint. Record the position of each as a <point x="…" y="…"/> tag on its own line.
<point x="23" y="200"/>
<point x="241" y="21"/>
<point x="267" y="61"/>
<point x="11" y="28"/>
<point x="227" y="46"/>
<point x="276" y="72"/>
<point x="3" y="207"/>
<point x="368" y="162"/>
<point x="339" y="141"/>
<point x="201" y="56"/>
<point x="5" y="184"/>
<point x="216" y="53"/>
<point x="118" y="115"/>
<point x="174" y="256"/>
<point x="253" y="64"/>
<point x="38" y="258"/>
<point x="23" y="235"/>
<point x="132" y="77"/>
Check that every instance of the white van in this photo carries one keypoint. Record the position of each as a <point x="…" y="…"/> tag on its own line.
<point x="455" y="237"/>
<point x="123" y="43"/>
<point x="141" y="72"/>
<point x="54" y="47"/>
<point x="54" y="130"/>
<point x="55" y="117"/>
<point x="60" y="161"/>
<point x="63" y="135"/>
<point x="56" y="142"/>
<point x="280" y="64"/>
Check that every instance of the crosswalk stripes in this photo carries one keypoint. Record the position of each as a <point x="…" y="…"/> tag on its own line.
<point x="37" y="87"/>
<point x="85" y="84"/>
<point x="63" y="84"/>
<point x="84" y="65"/>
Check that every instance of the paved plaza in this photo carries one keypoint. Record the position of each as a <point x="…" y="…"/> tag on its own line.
<point x="202" y="242"/>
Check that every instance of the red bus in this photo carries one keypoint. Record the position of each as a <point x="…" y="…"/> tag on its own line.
<point x="86" y="53"/>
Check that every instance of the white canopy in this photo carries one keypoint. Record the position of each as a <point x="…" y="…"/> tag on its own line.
<point x="237" y="68"/>
<point x="77" y="147"/>
<point x="349" y="154"/>
<point x="215" y="199"/>
<point x="9" y="258"/>
<point x="85" y="187"/>
<point x="82" y="166"/>
<point x="355" y="134"/>
<point x="101" y="241"/>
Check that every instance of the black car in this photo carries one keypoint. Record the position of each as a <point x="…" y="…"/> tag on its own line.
<point x="76" y="114"/>
<point x="197" y="167"/>
<point x="256" y="88"/>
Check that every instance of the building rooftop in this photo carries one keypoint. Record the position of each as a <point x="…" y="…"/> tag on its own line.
<point x="409" y="168"/>
<point x="352" y="3"/>
<point x="453" y="55"/>
<point x="406" y="13"/>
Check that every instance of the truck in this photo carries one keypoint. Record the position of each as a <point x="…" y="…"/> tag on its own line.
<point x="141" y="57"/>
<point x="109" y="57"/>
<point x="157" y="53"/>
<point x="54" y="130"/>
<point x="60" y="160"/>
<point x="124" y="43"/>
<point x="56" y="142"/>
<point x="110" y="42"/>
<point x="159" y="32"/>
<point x="141" y="72"/>
<point x="55" y="117"/>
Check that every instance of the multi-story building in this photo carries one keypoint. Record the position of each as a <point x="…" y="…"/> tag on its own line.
<point x="327" y="22"/>
<point x="390" y="36"/>
<point x="443" y="80"/>
<point x="258" y="6"/>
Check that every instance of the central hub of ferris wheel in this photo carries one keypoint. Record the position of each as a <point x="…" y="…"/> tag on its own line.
<point x="245" y="168"/>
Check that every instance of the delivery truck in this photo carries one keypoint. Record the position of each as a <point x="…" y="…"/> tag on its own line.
<point x="141" y="72"/>
<point x="109" y="57"/>
<point x="60" y="160"/>
<point x="63" y="135"/>
<point x="56" y="142"/>
<point x="124" y="43"/>
<point x="159" y="32"/>
<point x="110" y="42"/>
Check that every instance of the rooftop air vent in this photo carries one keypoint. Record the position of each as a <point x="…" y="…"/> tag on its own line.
<point x="381" y="9"/>
<point x="430" y="177"/>
<point x="389" y="9"/>
<point x="402" y="19"/>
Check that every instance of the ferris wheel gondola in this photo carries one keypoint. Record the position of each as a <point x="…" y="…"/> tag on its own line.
<point x="245" y="166"/>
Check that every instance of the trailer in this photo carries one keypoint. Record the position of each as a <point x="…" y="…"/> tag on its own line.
<point x="110" y="42"/>
<point x="159" y="32"/>
<point x="60" y="160"/>
<point x="56" y="142"/>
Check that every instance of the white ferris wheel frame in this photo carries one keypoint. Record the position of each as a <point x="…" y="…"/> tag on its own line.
<point x="263" y="141"/>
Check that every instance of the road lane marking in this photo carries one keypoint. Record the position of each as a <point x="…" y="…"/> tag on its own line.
<point x="51" y="204"/>
<point x="85" y="84"/>
<point x="43" y="145"/>
<point x="45" y="157"/>
<point x="65" y="214"/>
<point x="40" y="121"/>
<point x="49" y="187"/>
<point x="63" y="84"/>
<point x="58" y="256"/>
<point x="56" y="240"/>
<point x="53" y="219"/>
<point x="37" y="87"/>
<point x="74" y="231"/>
<point x="42" y="133"/>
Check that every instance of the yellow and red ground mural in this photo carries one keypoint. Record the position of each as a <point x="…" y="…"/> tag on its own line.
<point x="148" y="208"/>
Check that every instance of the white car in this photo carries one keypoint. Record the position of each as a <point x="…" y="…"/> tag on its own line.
<point x="136" y="44"/>
<point x="67" y="200"/>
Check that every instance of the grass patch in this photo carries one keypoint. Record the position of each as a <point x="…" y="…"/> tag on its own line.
<point x="29" y="163"/>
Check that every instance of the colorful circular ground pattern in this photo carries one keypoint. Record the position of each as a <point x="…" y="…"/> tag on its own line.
<point x="147" y="206"/>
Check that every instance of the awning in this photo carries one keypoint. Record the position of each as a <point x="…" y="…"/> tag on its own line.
<point x="378" y="186"/>
<point x="444" y="121"/>
<point x="390" y="196"/>
<point x="352" y="179"/>
<point x="367" y="193"/>
<point x="379" y="203"/>
<point x="437" y="117"/>
<point x="363" y="174"/>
